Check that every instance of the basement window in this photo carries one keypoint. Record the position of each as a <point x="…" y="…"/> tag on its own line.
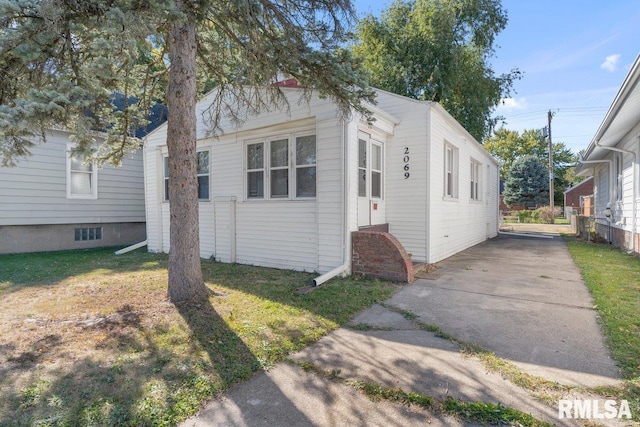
<point x="88" y="233"/>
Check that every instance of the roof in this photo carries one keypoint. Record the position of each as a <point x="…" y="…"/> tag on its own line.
<point x="622" y="116"/>
<point x="157" y="114"/>
<point x="578" y="185"/>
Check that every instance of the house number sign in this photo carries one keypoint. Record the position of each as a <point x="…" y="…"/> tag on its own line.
<point x="405" y="160"/>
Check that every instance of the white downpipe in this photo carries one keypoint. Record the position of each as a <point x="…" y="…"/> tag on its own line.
<point x="131" y="248"/>
<point x="330" y="274"/>
<point x="346" y="240"/>
<point x="633" y="198"/>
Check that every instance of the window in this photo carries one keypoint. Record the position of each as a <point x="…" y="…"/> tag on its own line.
<point x="450" y="171"/>
<point x="82" y="178"/>
<point x="279" y="168"/>
<point x="92" y="233"/>
<point x="376" y="170"/>
<point x="291" y="166"/>
<point x="617" y="165"/>
<point x="306" y="166"/>
<point x="362" y="168"/>
<point x="203" y="175"/>
<point x="255" y="171"/>
<point x="475" y="180"/>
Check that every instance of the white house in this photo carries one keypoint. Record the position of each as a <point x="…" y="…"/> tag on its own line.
<point x="52" y="201"/>
<point x="612" y="158"/>
<point x="287" y="189"/>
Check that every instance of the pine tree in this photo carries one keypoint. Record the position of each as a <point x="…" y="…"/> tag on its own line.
<point x="527" y="183"/>
<point x="61" y="61"/>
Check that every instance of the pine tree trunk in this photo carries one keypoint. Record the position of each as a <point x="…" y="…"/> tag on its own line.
<point x="185" y="273"/>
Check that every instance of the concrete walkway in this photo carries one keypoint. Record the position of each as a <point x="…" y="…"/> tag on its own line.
<point x="520" y="297"/>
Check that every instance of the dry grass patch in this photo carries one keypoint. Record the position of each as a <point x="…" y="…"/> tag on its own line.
<point x="88" y="338"/>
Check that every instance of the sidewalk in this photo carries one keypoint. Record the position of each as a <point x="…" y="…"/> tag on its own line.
<point x="519" y="297"/>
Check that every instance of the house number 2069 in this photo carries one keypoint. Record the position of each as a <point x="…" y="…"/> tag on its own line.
<point x="405" y="160"/>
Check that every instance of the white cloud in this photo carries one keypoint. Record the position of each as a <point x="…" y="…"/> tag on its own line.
<point x="513" y="103"/>
<point x="611" y="62"/>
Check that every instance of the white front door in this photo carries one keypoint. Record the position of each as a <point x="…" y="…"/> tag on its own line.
<point x="370" y="181"/>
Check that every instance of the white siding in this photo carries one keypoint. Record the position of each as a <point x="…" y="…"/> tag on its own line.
<point x="430" y="226"/>
<point x="330" y="190"/>
<point x="296" y="234"/>
<point x="458" y="223"/>
<point x="34" y="192"/>
<point x="279" y="234"/>
<point x="406" y="199"/>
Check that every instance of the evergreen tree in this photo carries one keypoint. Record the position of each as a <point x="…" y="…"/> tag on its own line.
<point x="508" y="146"/>
<point x="439" y="50"/>
<point x="527" y="183"/>
<point x="61" y="61"/>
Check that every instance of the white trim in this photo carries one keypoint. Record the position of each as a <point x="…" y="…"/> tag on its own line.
<point x="93" y="180"/>
<point x="291" y="167"/>
<point x="451" y="166"/>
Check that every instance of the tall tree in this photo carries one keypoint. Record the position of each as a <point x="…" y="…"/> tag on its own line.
<point x="508" y="146"/>
<point x="527" y="183"/>
<point x="439" y="50"/>
<point x="61" y="61"/>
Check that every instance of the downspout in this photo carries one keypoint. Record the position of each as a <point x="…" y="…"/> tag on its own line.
<point x="633" y="198"/>
<point x="346" y="236"/>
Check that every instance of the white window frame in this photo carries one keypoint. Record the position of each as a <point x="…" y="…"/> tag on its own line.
<point x="618" y="176"/>
<point x="450" y="171"/>
<point x="291" y="167"/>
<point x="379" y="171"/>
<point x="165" y="177"/>
<point x="93" y="180"/>
<point x="475" y="180"/>
<point x="207" y="174"/>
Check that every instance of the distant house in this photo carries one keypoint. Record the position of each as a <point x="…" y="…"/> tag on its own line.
<point x="612" y="159"/>
<point x="288" y="190"/>
<point x="53" y="201"/>
<point x="575" y="198"/>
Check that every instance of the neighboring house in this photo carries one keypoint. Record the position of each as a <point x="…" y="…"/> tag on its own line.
<point x="288" y="189"/>
<point x="612" y="159"/>
<point x="574" y="198"/>
<point x="53" y="201"/>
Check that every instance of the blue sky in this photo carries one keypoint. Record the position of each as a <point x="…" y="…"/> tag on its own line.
<point x="574" y="55"/>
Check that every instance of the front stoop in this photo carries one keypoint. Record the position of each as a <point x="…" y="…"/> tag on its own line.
<point x="379" y="254"/>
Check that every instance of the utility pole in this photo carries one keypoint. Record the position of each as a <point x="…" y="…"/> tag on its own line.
<point x="551" y="177"/>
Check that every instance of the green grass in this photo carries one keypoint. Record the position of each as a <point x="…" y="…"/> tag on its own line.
<point x="474" y="412"/>
<point x="613" y="278"/>
<point x="89" y="338"/>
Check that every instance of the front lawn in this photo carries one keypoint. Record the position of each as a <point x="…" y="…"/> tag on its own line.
<point x="89" y="338"/>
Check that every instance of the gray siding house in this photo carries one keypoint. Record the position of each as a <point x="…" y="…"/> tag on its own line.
<point x="52" y="201"/>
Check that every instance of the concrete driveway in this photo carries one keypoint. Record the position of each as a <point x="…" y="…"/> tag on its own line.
<point x="520" y="297"/>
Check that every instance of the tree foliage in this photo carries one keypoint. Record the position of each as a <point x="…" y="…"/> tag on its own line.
<point x="439" y="50"/>
<point x="527" y="183"/>
<point x="508" y="146"/>
<point x="61" y="61"/>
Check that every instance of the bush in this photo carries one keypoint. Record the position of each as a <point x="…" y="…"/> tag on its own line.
<point x="541" y="215"/>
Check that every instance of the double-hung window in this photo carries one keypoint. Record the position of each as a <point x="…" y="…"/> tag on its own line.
<point x="475" y="180"/>
<point x="617" y="170"/>
<point x="82" y="178"/>
<point x="281" y="168"/>
<point x="450" y="171"/>
<point x="203" y="175"/>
